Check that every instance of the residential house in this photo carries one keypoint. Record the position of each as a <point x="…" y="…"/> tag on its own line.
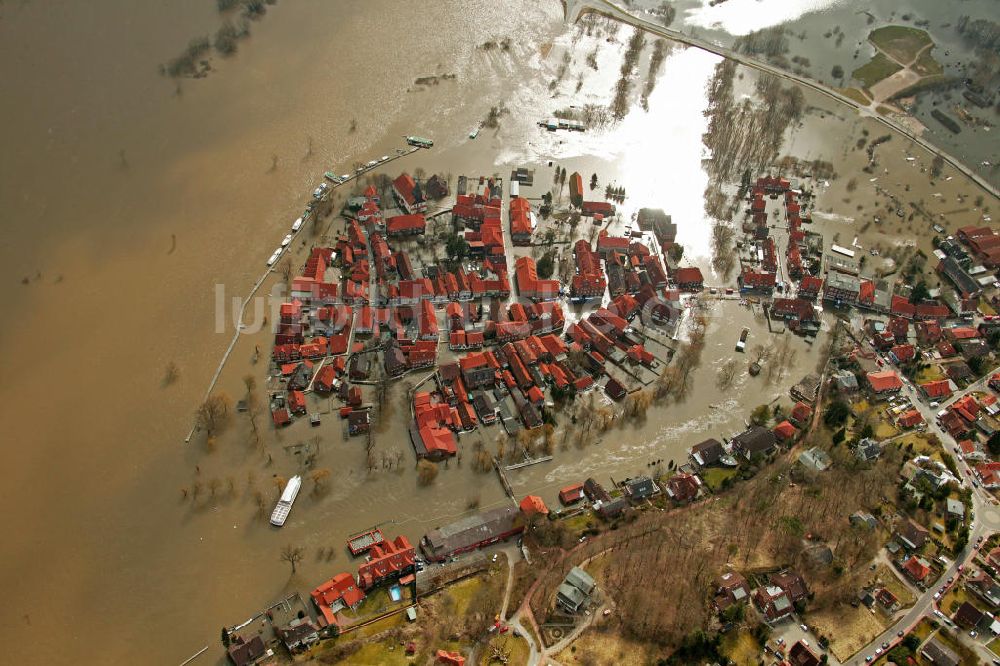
<point x="785" y="431"/>
<point x="571" y="494"/>
<point x="815" y="459"/>
<point x="246" y="652"/>
<point x="917" y="569"/>
<point x="800" y="414"/>
<point x="298" y="635"/>
<point x="791" y="583"/>
<point x="732" y="589"/>
<point x="800" y="655"/>
<point x="867" y="450"/>
<point x="911" y="535"/>
<point x="984" y="587"/>
<point x="575" y="590"/>
<point x="755" y="440"/>
<point x="683" y="487"/>
<point x="939" y="655"/>
<point x="708" y="452"/>
<point x="884" y="382"/>
<point x="639" y="488"/>
<point x="772" y="602"/>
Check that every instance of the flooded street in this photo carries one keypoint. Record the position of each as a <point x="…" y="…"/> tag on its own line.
<point x="128" y="198"/>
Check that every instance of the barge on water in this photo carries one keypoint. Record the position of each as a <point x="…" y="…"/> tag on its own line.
<point x="362" y="543"/>
<point x="472" y="532"/>
<point x="284" y="506"/>
<point x="419" y="142"/>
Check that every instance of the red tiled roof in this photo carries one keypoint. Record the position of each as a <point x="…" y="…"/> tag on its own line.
<point x="936" y="389"/>
<point x="785" y="430"/>
<point x="887" y="380"/>
<point x="533" y="504"/>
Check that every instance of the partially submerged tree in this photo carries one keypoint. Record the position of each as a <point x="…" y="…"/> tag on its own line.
<point x="213" y="414"/>
<point x="293" y="555"/>
<point x="426" y="472"/>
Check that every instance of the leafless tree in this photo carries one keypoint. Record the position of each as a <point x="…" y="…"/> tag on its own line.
<point x="293" y="555"/>
<point x="213" y="414"/>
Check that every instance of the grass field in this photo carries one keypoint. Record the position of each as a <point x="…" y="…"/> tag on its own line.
<point x="899" y="41"/>
<point x="741" y="648"/>
<point x="606" y="647"/>
<point x="850" y="628"/>
<point x="876" y="69"/>
<point x="926" y="65"/>
<point x="929" y="374"/>
<point x="714" y="476"/>
<point x="894" y="585"/>
<point x="375" y="654"/>
<point x="857" y="95"/>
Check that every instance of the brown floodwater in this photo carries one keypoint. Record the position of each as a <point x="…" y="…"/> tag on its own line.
<point x="127" y="200"/>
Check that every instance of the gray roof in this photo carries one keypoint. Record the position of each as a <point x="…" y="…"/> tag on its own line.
<point x="868" y="449"/>
<point x="954" y="272"/>
<point x="640" y="487"/>
<point x="470" y="530"/>
<point x="956" y="507"/>
<point x="846" y="379"/>
<point x="570" y="597"/>
<point x="815" y="458"/>
<point x="581" y="580"/>
<point x="938" y="654"/>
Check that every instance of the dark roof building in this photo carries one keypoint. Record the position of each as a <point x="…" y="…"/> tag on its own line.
<point x="939" y="655"/>
<point x="708" y="452"/>
<point x="472" y="532"/>
<point x="754" y="440"/>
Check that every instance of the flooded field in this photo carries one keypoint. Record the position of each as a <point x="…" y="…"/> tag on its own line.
<point x="824" y="34"/>
<point x="128" y="199"/>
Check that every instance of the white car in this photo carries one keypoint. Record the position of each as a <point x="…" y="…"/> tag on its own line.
<point x="286" y="240"/>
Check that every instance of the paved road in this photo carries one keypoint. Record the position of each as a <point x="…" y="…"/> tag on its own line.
<point x="574" y="8"/>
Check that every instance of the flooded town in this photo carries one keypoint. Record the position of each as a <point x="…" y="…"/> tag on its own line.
<point x="536" y="333"/>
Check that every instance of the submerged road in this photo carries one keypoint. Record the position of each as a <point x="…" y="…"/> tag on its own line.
<point x="575" y="8"/>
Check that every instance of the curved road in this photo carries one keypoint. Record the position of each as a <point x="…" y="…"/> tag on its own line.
<point x="574" y="8"/>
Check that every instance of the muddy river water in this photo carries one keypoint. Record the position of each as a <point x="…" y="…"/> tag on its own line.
<point x="127" y="199"/>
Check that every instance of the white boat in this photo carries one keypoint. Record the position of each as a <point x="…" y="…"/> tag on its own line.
<point x="286" y="240"/>
<point x="284" y="506"/>
<point x="297" y="224"/>
<point x="274" y="257"/>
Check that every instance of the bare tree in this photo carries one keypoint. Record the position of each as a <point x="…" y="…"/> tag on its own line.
<point x="727" y="373"/>
<point x="213" y="414"/>
<point x="293" y="555"/>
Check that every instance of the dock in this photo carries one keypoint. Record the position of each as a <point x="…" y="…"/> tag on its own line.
<point x="503" y="478"/>
<point x="527" y="463"/>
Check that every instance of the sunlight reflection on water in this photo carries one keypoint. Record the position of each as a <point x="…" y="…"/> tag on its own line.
<point x="739" y="17"/>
